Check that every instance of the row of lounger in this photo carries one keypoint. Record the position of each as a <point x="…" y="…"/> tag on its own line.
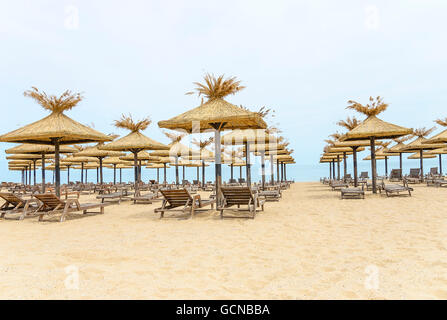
<point x="235" y="198"/>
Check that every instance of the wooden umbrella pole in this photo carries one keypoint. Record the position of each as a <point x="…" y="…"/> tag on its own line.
<point x="101" y="181"/>
<point x="330" y="170"/>
<point x="240" y="172"/>
<point x="231" y="172"/>
<point x="218" y="163"/>
<point x="277" y="170"/>
<point x="114" y="173"/>
<point x="282" y="172"/>
<point x="373" y="164"/>
<point x="271" y="169"/>
<point x="247" y="159"/>
<point x="23" y="177"/>
<point x="345" y="167"/>
<point x="121" y="175"/>
<point x="164" y="172"/>
<point x="183" y="174"/>
<point x="57" y="166"/>
<point x="30" y="170"/>
<point x="421" y="153"/>
<point x="68" y="175"/>
<point x="203" y="173"/>
<point x="338" y="167"/>
<point x="440" y="164"/>
<point x="386" y="166"/>
<point x="400" y="165"/>
<point x="34" y="169"/>
<point x="43" y="172"/>
<point x="285" y="172"/>
<point x="86" y="176"/>
<point x="82" y="172"/>
<point x="158" y="175"/>
<point x="354" y="159"/>
<point x="263" y="169"/>
<point x="198" y="174"/>
<point x="97" y="175"/>
<point x="135" y="163"/>
<point x="176" y="171"/>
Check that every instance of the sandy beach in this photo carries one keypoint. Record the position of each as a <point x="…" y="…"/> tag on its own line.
<point x="309" y="245"/>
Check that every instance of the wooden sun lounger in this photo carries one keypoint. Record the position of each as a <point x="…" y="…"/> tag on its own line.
<point x="115" y="196"/>
<point x="14" y="204"/>
<point x="396" y="189"/>
<point x="51" y="204"/>
<point x="181" y="200"/>
<point x="338" y="185"/>
<point x="352" y="193"/>
<point x="240" y="196"/>
<point x="271" y="195"/>
<point x="145" y="198"/>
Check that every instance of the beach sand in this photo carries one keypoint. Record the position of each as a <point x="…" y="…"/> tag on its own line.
<point x="310" y="245"/>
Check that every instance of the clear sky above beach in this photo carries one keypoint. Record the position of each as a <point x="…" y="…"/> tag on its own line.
<point x="304" y="59"/>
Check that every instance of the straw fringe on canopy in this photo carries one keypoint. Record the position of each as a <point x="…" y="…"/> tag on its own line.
<point x="134" y="141"/>
<point x="142" y="155"/>
<point x="425" y="155"/>
<point x="421" y="144"/>
<point x="39" y="149"/>
<point x="377" y="128"/>
<point x="214" y="111"/>
<point x="438" y="138"/>
<point x="56" y="125"/>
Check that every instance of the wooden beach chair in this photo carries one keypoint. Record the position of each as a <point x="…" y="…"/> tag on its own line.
<point x="180" y="200"/>
<point x="240" y="196"/>
<point x="395" y="175"/>
<point x="395" y="189"/>
<point x="337" y="185"/>
<point x="352" y="193"/>
<point x="415" y="176"/>
<point x="15" y="204"/>
<point x="114" y="196"/>
<point x="364" y="176"/>
<point x="51" y="204"/>
<point x="273" y="193"/>
<point x="145" y="198"/>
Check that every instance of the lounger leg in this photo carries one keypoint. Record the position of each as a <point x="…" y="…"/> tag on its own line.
<point x="40" y="217"/>
<point x="221" y="214"/>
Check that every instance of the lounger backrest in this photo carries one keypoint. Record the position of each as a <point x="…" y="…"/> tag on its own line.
<point x="414" y="173"/>
<point x="364" y="174"/>
<point x="434" y="170"/>
<point x="395" y="173"/>
<point x="176" y="197"/>
<point x="11" y="198"/>
<point x="50" y="200"/>
<point x="237" y="195"/>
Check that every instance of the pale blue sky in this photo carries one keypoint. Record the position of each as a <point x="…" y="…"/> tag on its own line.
<point x="304" y="59"/>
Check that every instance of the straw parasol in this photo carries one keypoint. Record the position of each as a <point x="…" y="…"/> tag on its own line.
<point x="56" y="129"/>
<point x="45" y="151"/>
<point x="204" y="154"/>
<point x="141" y="156"/>
<point x="165" y="161"/>
<point x="157" y="166"/>
<point x="176" y="150"/>
<point x="82" y="161"/>
<point x="216" y="114"/>
<point x="373" y="128"/>
<point x="420" y="144"/>
<point x="238" y="162"/>
<point x="425" y="155"/>
<point x="134" y="142"/>
<point x="25" y="156"/>
<point x="247" y="138"/>
<point x="115" y="161"/>
<point x="269" y="149"/>
<point x="439" y="152"/>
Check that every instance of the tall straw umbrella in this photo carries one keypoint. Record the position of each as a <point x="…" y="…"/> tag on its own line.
<point x="373" y="128"/>
<point x="248" y="138"/>
<point x="45" y="151"/>
<point x="115" y="161"/>
<point x="267" y="149"/>
<point x="82" y="161"/>
<point x="165" y="161"/>
<point x="134" y="142"/>
<point x="56" y="129"/>
<point x="216" y="114"/>
<point x="439" y="138"/>
<point x="237" y="162"/>
<point x="141" y="156"/>
<point x="176" y="150"/>
<point x="204" y="154"/>
<point x="157" y="166"/>
<point x="420" y="144"/>
<point x="398" y="149"/>
<point x="439" y="152"/>
<point x="32" y="157"/>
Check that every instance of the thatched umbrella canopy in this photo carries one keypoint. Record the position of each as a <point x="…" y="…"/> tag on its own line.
<point x="373" y="128"/>
<point x="44" y="151"/>
<point x="82" y="160"/>
<point x="26" y="156"/>
<point x="425" y="155"/>
<point x="134" y="142"/>
<point x="165" y="161"/>
<point x="216" y="114"/>
<point x="56" y="129"/>
<point x="420" y="144"/>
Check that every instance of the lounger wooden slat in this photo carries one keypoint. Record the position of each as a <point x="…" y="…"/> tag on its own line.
<point x="240" y="196"/>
